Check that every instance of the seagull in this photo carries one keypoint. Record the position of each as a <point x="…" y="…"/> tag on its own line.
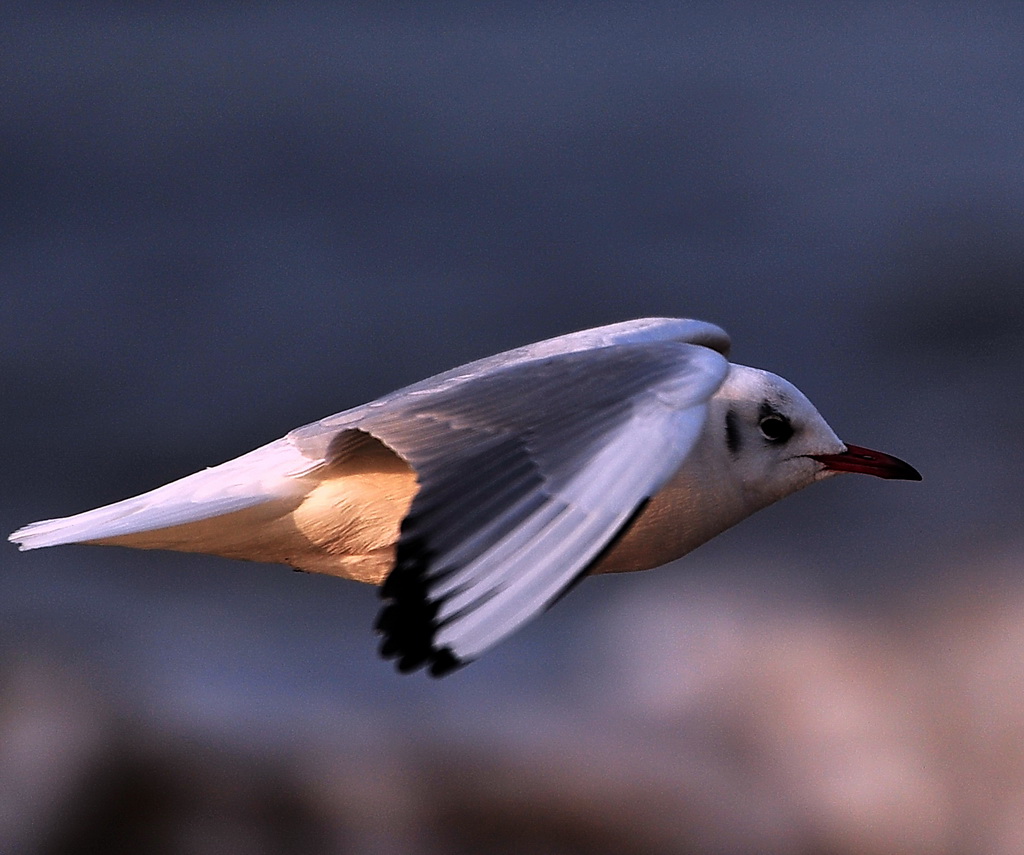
<point x="477" y="498"/>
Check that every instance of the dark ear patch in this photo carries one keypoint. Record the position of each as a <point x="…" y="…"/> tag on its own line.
<point x="733" y="440"/>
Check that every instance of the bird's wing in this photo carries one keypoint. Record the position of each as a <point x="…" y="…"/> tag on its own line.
<point x="314" y="440"/>
<point x="527" y="474"/>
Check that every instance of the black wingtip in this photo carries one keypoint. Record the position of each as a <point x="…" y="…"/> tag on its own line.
<point x="408" y="620"/>
<point x="408" y="632"/>
<point x="444" y="662"/>
<point x="411" y="654"/>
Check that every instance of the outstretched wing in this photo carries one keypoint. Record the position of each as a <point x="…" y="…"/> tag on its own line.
<point x="527" y="473"/>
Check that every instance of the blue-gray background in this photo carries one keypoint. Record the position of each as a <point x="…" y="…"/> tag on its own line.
<point x="219" y="221"/>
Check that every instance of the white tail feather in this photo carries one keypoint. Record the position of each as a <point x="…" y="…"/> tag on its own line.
<point x="266" y="474"/>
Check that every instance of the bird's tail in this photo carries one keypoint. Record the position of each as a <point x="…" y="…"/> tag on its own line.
<point x="265" y="475"/>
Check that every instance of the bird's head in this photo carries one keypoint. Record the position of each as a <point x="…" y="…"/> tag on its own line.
<point x="777" y="442"/>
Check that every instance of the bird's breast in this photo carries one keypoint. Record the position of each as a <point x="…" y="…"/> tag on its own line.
<point x="684" y="514"/>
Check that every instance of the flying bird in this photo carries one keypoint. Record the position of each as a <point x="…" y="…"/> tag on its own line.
<point x="477" y="498"/>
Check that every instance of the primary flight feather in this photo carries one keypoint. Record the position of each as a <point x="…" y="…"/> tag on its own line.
<point x="478" y="497"/>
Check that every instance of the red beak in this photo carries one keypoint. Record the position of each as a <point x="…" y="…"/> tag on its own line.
<point x="857" y="459"/>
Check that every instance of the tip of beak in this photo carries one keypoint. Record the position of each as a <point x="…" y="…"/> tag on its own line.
<point x="869" y="462"/>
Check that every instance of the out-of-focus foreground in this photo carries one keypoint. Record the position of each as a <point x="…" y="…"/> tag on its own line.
<point x="709" y="722"/>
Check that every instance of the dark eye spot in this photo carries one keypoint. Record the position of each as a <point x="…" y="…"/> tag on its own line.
<point x="733" y="439"/>
<point x="775" y="428"/>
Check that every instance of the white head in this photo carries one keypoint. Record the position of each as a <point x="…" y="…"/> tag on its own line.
<point x="777" y="442"/>
<point x="762" y="440"/>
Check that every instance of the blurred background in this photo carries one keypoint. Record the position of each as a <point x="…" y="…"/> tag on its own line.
<point x="219" y="221"/>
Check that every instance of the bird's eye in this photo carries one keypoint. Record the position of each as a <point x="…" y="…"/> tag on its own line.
<point x="775" y="428"/>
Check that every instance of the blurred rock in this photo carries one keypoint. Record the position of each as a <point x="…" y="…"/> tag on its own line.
<point x="53" y="730"/>
<point x="720" y="720"/>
